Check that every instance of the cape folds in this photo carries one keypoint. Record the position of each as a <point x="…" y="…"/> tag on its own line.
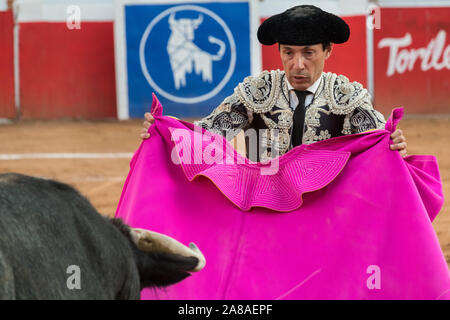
<point x="343" y="218"/>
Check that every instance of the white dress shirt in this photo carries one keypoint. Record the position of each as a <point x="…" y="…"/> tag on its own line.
<point x="293" y="100"/>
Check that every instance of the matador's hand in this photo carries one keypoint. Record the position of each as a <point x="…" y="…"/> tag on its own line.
<point x="399" y="142"/>
<point x="147" y="123"/>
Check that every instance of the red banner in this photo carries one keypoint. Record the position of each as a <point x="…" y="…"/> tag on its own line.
<point x="412" y="60"/>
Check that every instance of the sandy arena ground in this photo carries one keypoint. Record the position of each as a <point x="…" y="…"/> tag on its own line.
<point x="101" y="180"/>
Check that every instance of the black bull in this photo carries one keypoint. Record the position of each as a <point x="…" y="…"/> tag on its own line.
<point x="50" y="233"/>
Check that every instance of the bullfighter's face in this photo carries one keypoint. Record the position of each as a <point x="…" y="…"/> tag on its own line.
<point x="303" y="65"/>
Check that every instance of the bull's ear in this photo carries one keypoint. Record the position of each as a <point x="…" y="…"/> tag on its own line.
<point x="150" y="241"/>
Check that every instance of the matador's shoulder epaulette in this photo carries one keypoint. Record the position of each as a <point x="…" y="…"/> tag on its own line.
<point x="341" y="95"/>
<point x="259" y="93"/>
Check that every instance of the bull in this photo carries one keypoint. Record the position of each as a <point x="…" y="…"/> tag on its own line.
<point x="49" y="231"/>
<point x="184" y="54"/>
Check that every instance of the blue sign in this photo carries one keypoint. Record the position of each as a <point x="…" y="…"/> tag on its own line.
<point x="191" y="56"/>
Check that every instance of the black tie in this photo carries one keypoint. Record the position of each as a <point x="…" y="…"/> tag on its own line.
<point x="299" y="118"/>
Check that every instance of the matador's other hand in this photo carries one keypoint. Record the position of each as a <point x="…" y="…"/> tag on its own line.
<point x="147" y="123"/>
<point x="399" y="142"/>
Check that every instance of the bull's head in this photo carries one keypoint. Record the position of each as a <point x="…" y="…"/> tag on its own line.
<point x="186" y="27"/>
<point x="160" y="260"/>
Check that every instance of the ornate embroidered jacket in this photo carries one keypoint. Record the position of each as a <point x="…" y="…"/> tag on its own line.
<point x="261" y="103"/>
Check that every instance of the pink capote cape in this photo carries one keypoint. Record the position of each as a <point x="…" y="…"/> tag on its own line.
<point x="344" y="218"/>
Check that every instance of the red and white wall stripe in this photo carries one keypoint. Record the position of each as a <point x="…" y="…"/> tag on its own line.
<point x="62" y="71"/>
<point x="50" y="70"/>
<point x="7" y="105"/>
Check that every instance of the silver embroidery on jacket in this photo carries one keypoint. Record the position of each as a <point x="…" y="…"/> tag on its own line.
<point x="267" y="95"/>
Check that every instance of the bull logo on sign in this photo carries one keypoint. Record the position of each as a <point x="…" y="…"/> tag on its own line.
<point x="185" y="56"/>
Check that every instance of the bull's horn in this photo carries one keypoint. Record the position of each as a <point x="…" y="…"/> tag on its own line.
<point x="172" y="18"/>
<point x="151" y="241"/>
<point x="198" y="21"/>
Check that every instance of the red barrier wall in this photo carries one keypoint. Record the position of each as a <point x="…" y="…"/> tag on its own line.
<point x="7" y="104"/>
<point x="412" y="60"/>
<point x="348" y="59"/>
<point x="70" y="73"/>
<point x="67" y="73"/>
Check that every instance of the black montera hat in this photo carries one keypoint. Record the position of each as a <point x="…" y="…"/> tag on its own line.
<point x="303" y="25"/>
